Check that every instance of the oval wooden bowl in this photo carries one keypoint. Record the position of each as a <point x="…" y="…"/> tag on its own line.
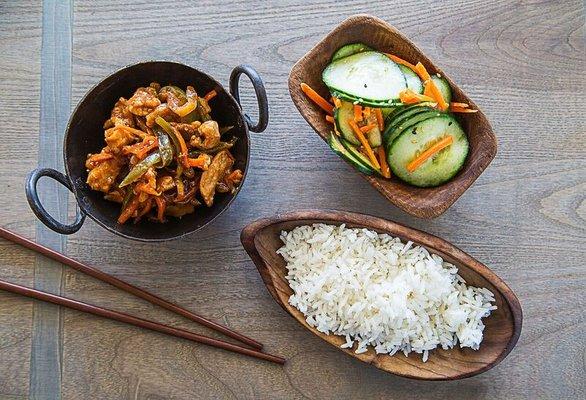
<point x="503" y="326"/>
<point x="420" y="202"/>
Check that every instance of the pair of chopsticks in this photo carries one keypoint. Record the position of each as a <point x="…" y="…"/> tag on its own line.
<point x="129" y="319"/>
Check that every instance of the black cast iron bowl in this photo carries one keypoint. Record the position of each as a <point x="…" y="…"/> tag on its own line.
<point x="85" y="134"/>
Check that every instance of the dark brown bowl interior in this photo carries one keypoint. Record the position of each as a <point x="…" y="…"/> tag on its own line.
<point x="85" y="134"/>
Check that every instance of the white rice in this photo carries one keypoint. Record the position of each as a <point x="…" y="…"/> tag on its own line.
<point x="377" y="291"/>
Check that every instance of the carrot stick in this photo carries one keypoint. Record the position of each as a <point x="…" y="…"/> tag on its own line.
<point x="148" y="147"/>
<point x="161" y="205"/>
<point x="422" y="72"/>
<point x="423" y="157"/>
<point x="210" y="95"/>
<point x="462" y="110"/>
<point x="330" y="119"/>
<point x="430" y="87"/>
<point x="183" y="147"/>
<point x="101" y="157"/>
<point x="368" y="127"/>
<point x="399" y="60"/>
<point x="129" y="210"/>
<point x="408" y="96"/>
<point x="317" y="99"/>
<point x="364" y="143"/>
<point x="379" y="119"/>
<point x="203" y="161"/>
<point x="357" y="113"/>
<point x="384" y="166"/>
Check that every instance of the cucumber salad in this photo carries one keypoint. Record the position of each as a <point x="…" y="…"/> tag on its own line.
<point x="391" y="117"/>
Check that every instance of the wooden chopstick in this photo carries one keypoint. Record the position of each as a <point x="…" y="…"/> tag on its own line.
<point x="127" y="287"/>
<point x="129" y="319"/>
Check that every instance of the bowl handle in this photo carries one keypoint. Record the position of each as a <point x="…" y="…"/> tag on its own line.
<point x="261" y="96"/>
<point x="33" y="200"/>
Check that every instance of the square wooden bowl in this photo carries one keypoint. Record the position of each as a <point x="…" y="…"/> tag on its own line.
<point x="374" y="32"/>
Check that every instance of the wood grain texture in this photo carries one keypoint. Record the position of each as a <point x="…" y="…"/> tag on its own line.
<point x="379" y="35"/>
<point x="261" y="240"/>
<point x="46" y="347"/>
<point x="20" y="44"/>
<point x="524" y="217"/>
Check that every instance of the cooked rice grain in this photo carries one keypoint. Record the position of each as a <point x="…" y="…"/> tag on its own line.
<point x="377" y="291"/>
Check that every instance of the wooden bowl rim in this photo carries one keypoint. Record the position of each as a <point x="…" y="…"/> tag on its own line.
<point x="428" y="210"/>
<point x="250" y="232"/>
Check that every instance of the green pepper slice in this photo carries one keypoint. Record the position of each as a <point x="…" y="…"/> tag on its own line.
<point x="221" y="146"/>
<point x="165" y="148"/>
<point x="176" y="91"/>
<point x="169" y="130"/>
<point x="152" y="160"/>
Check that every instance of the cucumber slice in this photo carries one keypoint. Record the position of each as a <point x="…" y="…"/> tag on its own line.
<point x="349" y="49"/>
<point x="403" y="115"/>
<point x="336" y="145"/>
<point x="366" y="103"/>
<point x="412" y="79"/>
<point x="396" y="110"/>
<point x="354" y="152"/>
<point x="387" y="111"/>
<point x="438" y="169"/>
<point x="345" y="113"/>
<point x="341" y="117"/>
<point x="443" y="86"/>
<point x="410" y="122"/>
<point x="370" y="76"/>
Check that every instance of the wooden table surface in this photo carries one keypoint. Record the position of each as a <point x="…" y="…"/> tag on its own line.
<point x="523" y="62"/>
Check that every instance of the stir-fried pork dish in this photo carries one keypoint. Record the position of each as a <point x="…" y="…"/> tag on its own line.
<point x="164" y="155"/>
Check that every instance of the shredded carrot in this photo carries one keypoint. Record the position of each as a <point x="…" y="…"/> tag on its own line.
<point x="146" y="188"/>
<point x="357" y="112"/>
<point x="100" y="157"/>
<point x="422" y="72"/>
<point x="161" y="205"/>
<point x="399" y="60"/>
<point x="379" y="119"/>
<point x="408" y="96"/>
<point x="141" y="153"/>
<point x="384" y="166"/>
<point x="235" y="177"/>
<point x="210" y="95"/>
<point x="462" y="105"/>
<point x="330" y="119"/>
<point x="129" y="210"/>
<point x="431" y="88"/>
<point x="180" y="189"/>
<point x="147" y="207"/>
<point x="337" y="102"/>
<point x="364" y="143"/>
<point x="368" y="127"/>
<point x="317" y="99"/>
<point x="203" y="161"/>
<point x="366" y="111"/>
<point x="423" y="157"/>
<point x="183" y="147"/>
<point x="462" y="110"/>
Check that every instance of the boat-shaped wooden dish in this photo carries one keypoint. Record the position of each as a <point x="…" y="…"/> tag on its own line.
<point x="374" y="32"/>
<point x="503" y="326"/>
